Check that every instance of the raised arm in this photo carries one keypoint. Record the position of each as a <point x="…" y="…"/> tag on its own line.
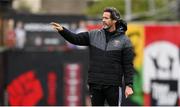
<point x="77" y="39"/>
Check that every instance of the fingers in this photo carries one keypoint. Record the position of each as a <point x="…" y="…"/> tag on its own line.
<point x="127" y="94"/>
<point x="56" y="26"/>
<point x="128" y="91"/>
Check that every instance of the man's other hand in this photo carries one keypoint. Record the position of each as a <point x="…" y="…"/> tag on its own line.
<point x="128" y="91"/>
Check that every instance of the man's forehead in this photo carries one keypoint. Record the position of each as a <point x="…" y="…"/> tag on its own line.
<point x="106" y="14"/>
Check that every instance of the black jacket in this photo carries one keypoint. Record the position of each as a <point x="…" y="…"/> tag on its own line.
<point x="109" y="61"/>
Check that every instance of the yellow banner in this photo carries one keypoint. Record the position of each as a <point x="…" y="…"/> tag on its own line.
<point x="136" y="33"/>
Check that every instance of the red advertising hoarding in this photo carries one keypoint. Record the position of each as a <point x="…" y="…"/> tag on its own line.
<point x="161" y="65"/>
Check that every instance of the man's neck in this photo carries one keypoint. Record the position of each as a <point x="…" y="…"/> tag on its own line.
<point x="112" y="29"/>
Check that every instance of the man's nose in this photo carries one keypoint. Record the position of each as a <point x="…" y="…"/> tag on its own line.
<point x="103" y="20"/>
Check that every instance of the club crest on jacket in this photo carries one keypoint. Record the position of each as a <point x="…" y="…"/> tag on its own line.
<point x="116" y="43"/>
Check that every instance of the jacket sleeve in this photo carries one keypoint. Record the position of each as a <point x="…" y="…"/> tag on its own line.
<point x="77" y="39"/>
<point x="127" y="63"/>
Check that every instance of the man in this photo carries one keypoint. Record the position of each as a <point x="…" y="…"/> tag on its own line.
<point x="111" y="58"/>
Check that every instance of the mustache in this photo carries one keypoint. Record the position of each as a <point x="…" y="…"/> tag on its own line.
<point x="104" y="23"/>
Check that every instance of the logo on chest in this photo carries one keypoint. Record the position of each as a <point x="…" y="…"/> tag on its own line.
<point x="116" y="43"/>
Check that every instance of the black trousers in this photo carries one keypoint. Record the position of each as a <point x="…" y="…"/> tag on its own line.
<point x="101" y="93"/>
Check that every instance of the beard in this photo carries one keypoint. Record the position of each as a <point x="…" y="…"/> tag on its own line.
<point x="106" y="27"/>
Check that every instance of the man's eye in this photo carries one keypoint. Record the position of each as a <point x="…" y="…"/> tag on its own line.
<point x="105" y="18"/>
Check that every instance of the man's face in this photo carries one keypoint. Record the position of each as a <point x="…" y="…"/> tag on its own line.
<point x="107" y="21"/>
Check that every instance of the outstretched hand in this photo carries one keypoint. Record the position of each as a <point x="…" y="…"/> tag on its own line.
<point x="56" y="26"/>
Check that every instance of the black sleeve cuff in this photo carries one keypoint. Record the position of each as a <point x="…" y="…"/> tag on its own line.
<point x="130" y="85"/>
